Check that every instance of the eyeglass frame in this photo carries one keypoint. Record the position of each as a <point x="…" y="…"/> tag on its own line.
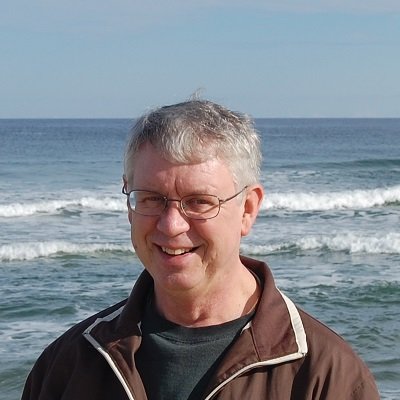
<point x="167" y="200"/>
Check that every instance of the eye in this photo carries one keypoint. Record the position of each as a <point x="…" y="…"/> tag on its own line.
<point x="149" y="200"/>
<point x="153" y="198"/>
<point x="200" y="204"/>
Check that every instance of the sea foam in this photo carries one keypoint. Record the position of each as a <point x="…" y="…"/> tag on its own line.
<point x="349" y="243"/>
<point x="56" y="206"/>
<point x="293" y="201"/>
<point x="351" y="199"/>
<point x="32" y="250"/>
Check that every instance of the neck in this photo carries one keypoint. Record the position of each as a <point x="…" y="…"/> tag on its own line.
<point x="213" y="307"/>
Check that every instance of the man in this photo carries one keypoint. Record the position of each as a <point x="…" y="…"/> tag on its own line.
<point x="202" y="322"/>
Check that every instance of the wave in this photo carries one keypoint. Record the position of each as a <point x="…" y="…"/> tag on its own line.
<point x="57" y="206"/>
<point x="296" y="201"/>
<point x="375" y="163"/>
<point x="348" y="243"/>
<point x="30" y="251"/>
<point x="351" y="199"/>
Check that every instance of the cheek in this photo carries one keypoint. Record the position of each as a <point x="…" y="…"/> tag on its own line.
<point x="133" y="240"/>
<point x="133" y="227"/>
<point x="218" y="229"/>
<point x="228" y="233"/>
<point x="140" y="229"/>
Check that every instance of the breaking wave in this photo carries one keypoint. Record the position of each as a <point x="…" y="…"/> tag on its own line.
<point x="300" y="201"/>
<point x="30" y="251"/>
<point x="352" y="199"/>
<point x="348" y="243"/>
<point x="57" y="206"/>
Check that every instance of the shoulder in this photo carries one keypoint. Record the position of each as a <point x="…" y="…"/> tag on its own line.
<point x="68" y="362"/>
<point x="333" y="362"/>
<point x="70" y="345"/>
<point x="75" y="333"/>
<point x="323" y="341"/>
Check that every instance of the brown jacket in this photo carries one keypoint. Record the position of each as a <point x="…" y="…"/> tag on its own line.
<point x="282" y="354"/>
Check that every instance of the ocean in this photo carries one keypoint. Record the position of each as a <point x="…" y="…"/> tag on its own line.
<point x="329" y="228"/>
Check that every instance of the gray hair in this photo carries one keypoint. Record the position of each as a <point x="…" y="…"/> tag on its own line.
<point x="195" y="131"/>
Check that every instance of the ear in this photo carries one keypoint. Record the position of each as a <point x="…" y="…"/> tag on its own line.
<point x="252" y="204"/>
<point x="125" y="182"/>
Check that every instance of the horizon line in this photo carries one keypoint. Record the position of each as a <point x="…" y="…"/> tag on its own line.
<point x="253" y="117"/>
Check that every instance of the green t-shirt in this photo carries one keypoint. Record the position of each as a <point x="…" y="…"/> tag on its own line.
<point x="176" y="362"/>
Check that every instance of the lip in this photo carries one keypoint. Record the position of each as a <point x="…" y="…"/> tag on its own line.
<point x="177" y="251"/>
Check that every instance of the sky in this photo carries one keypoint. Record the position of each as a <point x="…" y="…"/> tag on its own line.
<point x="120" y="58"/>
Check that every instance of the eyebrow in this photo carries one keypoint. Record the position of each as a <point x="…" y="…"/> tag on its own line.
<point x="194" y="192"/>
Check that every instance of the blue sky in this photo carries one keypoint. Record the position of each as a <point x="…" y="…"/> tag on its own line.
<point x="266" y="58"/>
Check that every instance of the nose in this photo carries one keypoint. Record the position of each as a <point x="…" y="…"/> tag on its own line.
<point x="173" y="221"/>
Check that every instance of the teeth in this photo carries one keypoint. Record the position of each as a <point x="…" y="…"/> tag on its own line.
<point x="174" y="252"/>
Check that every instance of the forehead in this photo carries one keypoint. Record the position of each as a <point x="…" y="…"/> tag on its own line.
<point x="152" y="171"/>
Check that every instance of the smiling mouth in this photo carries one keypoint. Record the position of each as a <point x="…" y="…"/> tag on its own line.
<point x="177" y="252"/>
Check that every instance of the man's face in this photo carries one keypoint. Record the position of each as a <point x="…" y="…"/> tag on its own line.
<point x="183" y="254"/>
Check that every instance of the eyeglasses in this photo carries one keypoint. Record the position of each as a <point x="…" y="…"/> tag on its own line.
<point x="196" y="206"/>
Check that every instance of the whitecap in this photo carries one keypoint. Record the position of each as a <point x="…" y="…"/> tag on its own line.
<point x="32" y="250"/>
<point x="56" y="206"/>
<point x="353" y="243"/>
<point x="351" y="199"/>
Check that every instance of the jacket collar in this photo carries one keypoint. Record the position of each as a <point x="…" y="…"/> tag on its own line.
<point x="275" y="334"/>
<point x="276" y="330"/>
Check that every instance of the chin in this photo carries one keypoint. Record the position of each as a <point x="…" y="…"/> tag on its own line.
<point x="178" y="281"/>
